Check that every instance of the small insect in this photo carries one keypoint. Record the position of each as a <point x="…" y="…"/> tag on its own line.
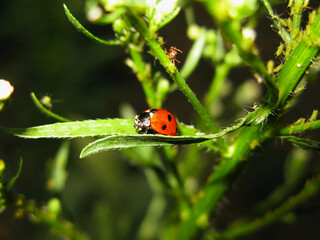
<point x="172" y="53"/>
<point x="155" y="120"/>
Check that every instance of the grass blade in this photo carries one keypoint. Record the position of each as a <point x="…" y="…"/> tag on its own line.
<point x="88" y="128"/>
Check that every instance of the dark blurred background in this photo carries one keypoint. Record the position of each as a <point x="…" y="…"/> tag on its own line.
<point x="41" y="52"/>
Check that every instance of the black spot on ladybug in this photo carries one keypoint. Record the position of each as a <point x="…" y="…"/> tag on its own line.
<point x="164" y="127"/>
<point x="169" y="117"/>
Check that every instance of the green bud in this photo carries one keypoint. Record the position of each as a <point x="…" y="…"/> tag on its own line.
<point x="122" y="29"/>
<point x="296" y="165"/>
<point x="240" y="9"/>
<point x="54" y="206"/>
<point x="193" y="32"/>
<point x="203" y="221"/>
<point x="234" y="9"/>
<point x="249" y="36"/>
<point x="2" y="166"/>
<point x="46" y="101"/>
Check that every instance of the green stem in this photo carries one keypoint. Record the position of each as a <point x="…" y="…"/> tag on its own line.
<point x="171" y="70"/>
<point x="277" y="23"/>
<point x="189" y="13"/>
<point x="174" y="178"/>
<point x="298" y="62"/>
<point x="46" y="111"/>
<point x="220" y="76"/>
<point x="149" y="227"/>
<point x="293" y="129"/>
<point x="142" y="75"/>
<point x="194" y="55"/>
<point x="296" y="18"/>
<point x="294" y="69"/>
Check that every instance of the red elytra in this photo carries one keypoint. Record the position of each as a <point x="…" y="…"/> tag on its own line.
<point x="156" y="120"/>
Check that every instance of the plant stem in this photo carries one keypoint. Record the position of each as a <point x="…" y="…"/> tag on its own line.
<point x="293" y="129"/>
<point x="46" y="111"/>
<point x="296" y="18"/>
<point x="277" y="24"/>
<point x="298" y="62"/>
<point x="221" y="73"/>
<point x="295" y="68"/>
<point x="142" y="75"/>
<point x="194" y="54"/>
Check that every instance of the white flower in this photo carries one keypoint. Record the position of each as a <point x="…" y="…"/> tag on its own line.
<point x="6" y="89"/>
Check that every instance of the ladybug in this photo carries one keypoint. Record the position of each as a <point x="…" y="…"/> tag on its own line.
<point x="155" y="120"/>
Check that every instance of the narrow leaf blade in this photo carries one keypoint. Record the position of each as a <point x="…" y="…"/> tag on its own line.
<point x="140" y="140"/>
<point x="304" y="143"/>
<point x="88" y="128"/>
<point x="82" y="29"/>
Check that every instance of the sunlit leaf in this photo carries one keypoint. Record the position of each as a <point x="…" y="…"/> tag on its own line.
<point x="88" y="128"/>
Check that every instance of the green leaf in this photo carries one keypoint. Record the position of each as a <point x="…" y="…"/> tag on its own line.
<point x="140" y="140"/>
<point x="81" y="29"/>
<point x="152" y="140"/>
<point x="88" y="128"/>
<point x="104" y="127"/>
<point x="304" y="143"/>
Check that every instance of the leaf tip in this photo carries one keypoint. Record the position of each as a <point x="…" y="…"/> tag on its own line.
<point x="65" y="6"/>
